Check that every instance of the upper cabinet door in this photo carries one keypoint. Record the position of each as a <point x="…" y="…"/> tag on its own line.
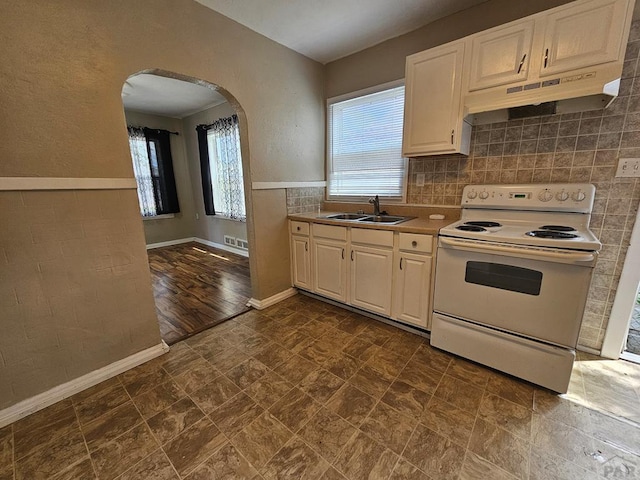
<point x="501" y="56"/>
<point x="432" y="109"/>
<point x="583" y="35"/>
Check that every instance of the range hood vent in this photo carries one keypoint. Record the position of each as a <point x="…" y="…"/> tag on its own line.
<point x="546" y="108"/>
<point x="568" y="93"/>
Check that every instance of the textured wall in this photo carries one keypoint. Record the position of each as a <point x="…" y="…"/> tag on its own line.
<point x="62" y="70"/>
<point x="577" y="147"/>
<point x="75" y="293"/>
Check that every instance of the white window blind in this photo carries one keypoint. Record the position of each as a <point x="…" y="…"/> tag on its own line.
<point x="365" y="146"/>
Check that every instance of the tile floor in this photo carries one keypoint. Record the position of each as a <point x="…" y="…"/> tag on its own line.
<point x="305" y="390"/>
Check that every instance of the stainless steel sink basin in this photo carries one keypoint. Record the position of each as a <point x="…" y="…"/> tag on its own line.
<point x="364" y="218"/>
<point x="389" y="219"/>
<point x="347" y="216"/>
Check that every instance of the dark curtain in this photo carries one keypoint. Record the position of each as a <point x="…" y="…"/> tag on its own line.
<point x="205" y="169"/>
<point x="164" y="181"/>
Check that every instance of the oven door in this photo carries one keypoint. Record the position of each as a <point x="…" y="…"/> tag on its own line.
<point x="535" y="292"/>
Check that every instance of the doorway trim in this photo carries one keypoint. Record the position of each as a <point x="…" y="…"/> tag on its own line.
<point x="624" y="301"/>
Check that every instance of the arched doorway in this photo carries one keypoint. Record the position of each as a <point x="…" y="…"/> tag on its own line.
<point x="188" y="144"/>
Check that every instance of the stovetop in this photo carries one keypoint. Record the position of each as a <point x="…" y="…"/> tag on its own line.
<point x="525" y="215"/>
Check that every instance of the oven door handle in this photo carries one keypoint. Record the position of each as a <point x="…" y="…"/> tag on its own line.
<point x="565" y="257"/>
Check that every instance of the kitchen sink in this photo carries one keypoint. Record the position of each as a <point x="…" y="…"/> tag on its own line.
<point x="347" y="216"/>
<point x="364" y="218"/>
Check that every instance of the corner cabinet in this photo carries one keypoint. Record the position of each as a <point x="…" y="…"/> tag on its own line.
<point x="583" y="35"/>
<point x="380" y="271"/>
<point x="433" y="115"/>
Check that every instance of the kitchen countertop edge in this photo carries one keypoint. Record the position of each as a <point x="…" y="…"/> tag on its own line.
<point x="415" y="225"/>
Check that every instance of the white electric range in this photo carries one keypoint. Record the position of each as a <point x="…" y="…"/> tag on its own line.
<point x="512" y="278"/>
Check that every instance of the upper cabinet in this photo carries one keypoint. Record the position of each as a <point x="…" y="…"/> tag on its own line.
<point x="583" y="35"/>
<point x="433" y="117"/>
<point x="500" y="56"/>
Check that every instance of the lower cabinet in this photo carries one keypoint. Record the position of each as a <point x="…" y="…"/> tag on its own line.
<point x="411" y="296"/>
<point x="383" y="272"/>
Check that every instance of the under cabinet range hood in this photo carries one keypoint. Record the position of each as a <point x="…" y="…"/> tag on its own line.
<point x="574" y="92"/>
<point x="571" y="56"/>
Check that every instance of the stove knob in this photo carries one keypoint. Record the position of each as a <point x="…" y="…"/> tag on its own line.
<point x="545" y="195"/>
<point x="472" y="194"/>
<point x="484" y="195"/>
<point x="578" y="196"/>
<point x="562" y="196"/>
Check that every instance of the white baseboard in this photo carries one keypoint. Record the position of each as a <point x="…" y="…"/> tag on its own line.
<point x="168" y="243"/>
<point x="221" y="246"/>
<point x="45" y="399"/>
<point x="272" y="300"/>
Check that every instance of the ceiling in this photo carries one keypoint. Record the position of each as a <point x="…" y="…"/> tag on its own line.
<point x="167" y="96"/>
<point x="330" y="29"/>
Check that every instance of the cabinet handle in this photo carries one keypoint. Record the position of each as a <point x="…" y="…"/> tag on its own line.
<point x="400" y="263"/>
<point x="352" y="255"/>
<point x="343" y="253"/>
<point x="521" y="63"/>
<point x="298" y="228"/>
<point x="452" y="132"/>
<point x="546" y="57"/>
<point x="414" y="244"/>
<point x="306" y="247"/>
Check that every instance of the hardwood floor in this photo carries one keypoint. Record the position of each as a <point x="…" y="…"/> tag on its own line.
<point x="196" y="287"/>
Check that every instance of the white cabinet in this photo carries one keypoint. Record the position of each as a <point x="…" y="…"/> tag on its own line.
<point x="300" y="255"/>
<point x="501" y="55"/>
<point x="371" y="270"/>
<point x="412" y="287"/>
<point x="433" y="116"/>
<point x="582" y="35"/>
<point x="329" y="261"/>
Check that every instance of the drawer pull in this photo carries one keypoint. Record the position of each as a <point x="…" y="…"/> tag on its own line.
<point x="414" y="244"/>
<point x="298" y="228"/>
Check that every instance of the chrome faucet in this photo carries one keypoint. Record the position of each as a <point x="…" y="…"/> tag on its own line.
<point x="376" y="205"/>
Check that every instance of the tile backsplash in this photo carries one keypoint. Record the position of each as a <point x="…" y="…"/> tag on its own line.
<point x="579" y="147"/>
<point x="304" y="199"/>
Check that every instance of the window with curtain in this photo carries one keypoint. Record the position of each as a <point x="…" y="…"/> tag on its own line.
<point x="221" y="168"/>
<point x="153" y="169"/>
<point x="365" y="146"/>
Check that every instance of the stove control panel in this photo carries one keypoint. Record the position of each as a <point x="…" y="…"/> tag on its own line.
<point x="563" y="197"/>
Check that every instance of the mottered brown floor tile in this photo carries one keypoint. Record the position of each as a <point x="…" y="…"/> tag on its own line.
<point x="237" y="413"/>
<point x="111" y="425"/>
<point x="321" y="385"/>
<point x="194" y="445"/>
<point x="261" y="439"/>
<point x="449" y="421"/>
<point x="294" y="409"/>
<point x="369" y="401"/>
<point x="459" y="393"/>
<point x="44" y="463"/>
<point x="500" y="448"/>
<point x="226" y="464"/>
<point x="174" y="419"/>
<point x="351" y="404"/>
<point x="406" y="471"/>
<point x="389" y="427"/>
<point x="327" y="433"/>
<point x="269" y="389"/>
<point x="156" y="466"/>
<point x="295" y="460"/>
<point x="434" y="454"/>
<point x="117" y="456"/>
<point x="363" y="457"/>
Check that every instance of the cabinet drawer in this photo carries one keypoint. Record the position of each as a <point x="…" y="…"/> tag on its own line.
<point x="413" y="242"/>
<point x="299" y="228"/>
<point x="329" y="231"/>
<point x="372" y="237"/>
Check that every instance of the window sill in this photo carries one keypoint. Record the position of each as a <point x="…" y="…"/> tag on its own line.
<point x="225" y="217"/>
<point x="159" y="217"/>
